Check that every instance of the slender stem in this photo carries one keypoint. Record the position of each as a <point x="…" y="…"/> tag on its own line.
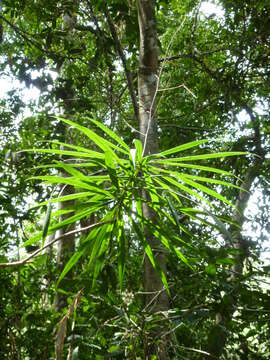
<point x="151" y="114"/>
<point x="35" y="253"/>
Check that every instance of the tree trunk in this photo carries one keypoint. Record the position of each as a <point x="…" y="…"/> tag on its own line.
<point x="65" y="250"/>
<point x="66" y="246"/>
<point x="218" y="334"/>
<point x="156" y="298"/>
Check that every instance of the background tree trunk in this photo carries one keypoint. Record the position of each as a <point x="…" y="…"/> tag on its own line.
<point x="218" y="334"/>
<point x="66" y="246"/>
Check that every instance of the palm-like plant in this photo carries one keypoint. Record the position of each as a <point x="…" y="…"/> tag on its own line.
<point x="110" y="183"/>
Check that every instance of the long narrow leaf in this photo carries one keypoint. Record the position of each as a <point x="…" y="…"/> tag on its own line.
<point x="206" y="190"/>
<point x="46" y="222"/>
<point x="204" y="156"/>
<point x="121" y="240"/>
<point x="192" y="166"/>
<point x="103" y="144"/>
<point x="79" y="175"/>
<point x="112" y="134"/>
<point x="64" y="198"/>
<point x="196" y="177"/>
<point x="183" y="188"/>
<point x="180" y="148"/>
<point x="73" y="182"/>
<point x="157" y="233"/>
<point x="210" y="180"/>
<point x="111" y="169"/>
<point x="71" y="262"/>
<point x="78" y="148"/>
<point x="76" y="154"/>
<point x="149" y="254"/>
<point x="139" y="150"/>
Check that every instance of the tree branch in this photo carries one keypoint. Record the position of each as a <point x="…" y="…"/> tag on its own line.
<point x="27" y="37"/>
<point x="124" y="62"/>
<point x="35" y="253"/>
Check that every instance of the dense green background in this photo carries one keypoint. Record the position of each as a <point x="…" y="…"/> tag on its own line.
<point x="216" y="80"/>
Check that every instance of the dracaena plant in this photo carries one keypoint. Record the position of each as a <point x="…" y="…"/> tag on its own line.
<point x="109" y="182"/>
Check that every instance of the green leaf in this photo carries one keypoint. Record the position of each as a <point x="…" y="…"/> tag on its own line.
<point x="100" y="246"/>
<point x="112" y="134"/>
<point x="94" y="163"/>
<point x="157" y="232"/>
<point x="151" y="188"/>
<point x="183" y="188"/>
<point x="73" y="182"/>
<point x="100" y="238"/>
<point x="180" y="148"/>
<point x="103" y="144"/>
<point x="139" y="150"/>
<point x="111" y="169"/>
<point x="211" y="270"/>
<point x="72" y="219"/>
<point x="225" y="261"/>
<point x="210" y="180"/>
<point x="46" y="222"/>
<point x="205" y="189"/>
<point x="121" y="253"/>
<point x="91" y="179"/>
<point x="76" y="154"/>
<point x="98" y="266"/>
<point x="204" y="156"/>
<point x="192" y="166"/>
<point x="64" y="198"/>
<point x="221" y="227"/>
<point x="195" y="177"/>
<point x="149" y="254"/>
<point x="71" y="262"/>
<point x="95" y="154"/>
<point x="173" y="211"/>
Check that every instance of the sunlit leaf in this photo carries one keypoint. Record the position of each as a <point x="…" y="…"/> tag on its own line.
<point x="139" y="150"/>
<point x="121" y="241"/>
<point x="149" y="254"/>
<point x="180" y="148"/>
<point x="111" y="169"/>
<point x="69" y="153"/>
<point x="204" y="156"/>
<point x="103" y="144"/>
<point x="73" y="182"/>
<point x="46" y="222"/>
<point x="112" y="134"/>
<point x="64" y="198"/>
<point x="181" y="187"/>
<point x="191" y="166"/>
<point x="71" y="262"/>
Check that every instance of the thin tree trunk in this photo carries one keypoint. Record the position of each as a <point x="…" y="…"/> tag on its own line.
<point x="156" y="297"/>
<point x="218" y="335"/>
<point x="121" y="54"/>
<point x="66" y="246"/>
<point x="65" y="250"/>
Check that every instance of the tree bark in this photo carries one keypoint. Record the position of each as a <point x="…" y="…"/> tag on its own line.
<point x="66" y="246"/>
<point x="218" y="335"/>
<point x="156" y="298"/>
<point x="122" y="56"/>
<point x="65" y="250"/>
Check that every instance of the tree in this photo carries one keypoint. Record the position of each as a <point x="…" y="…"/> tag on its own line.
<point x="147" y="94"/>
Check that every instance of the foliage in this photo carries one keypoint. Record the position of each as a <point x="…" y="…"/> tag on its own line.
<point x="114" y="189"/>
